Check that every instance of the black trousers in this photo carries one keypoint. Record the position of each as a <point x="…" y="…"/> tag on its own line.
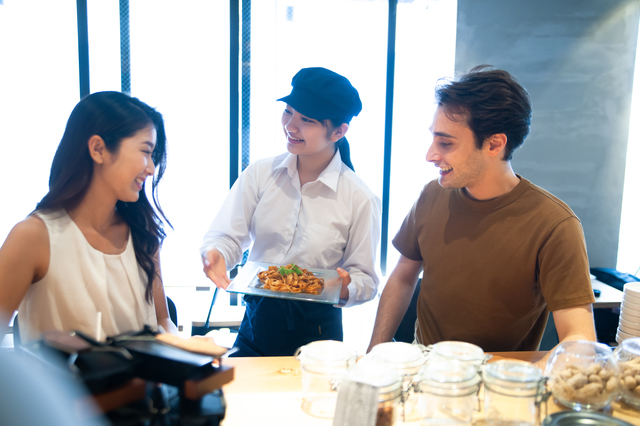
<point x="278" y="327"/>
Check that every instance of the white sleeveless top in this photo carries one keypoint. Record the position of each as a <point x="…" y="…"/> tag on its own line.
<point x="82" y="281"/>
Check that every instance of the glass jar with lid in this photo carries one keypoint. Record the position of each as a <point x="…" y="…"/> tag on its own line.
<point x="448" y="392"/>
<point x="512" y="390"/>
<point x="627" y="356"/>
<point x="407" y="360"/>
<point x="462" y="351"/>
<point x="323" y="363"/>
<point x="583" y="375"/>
<point x="389" y="384"/>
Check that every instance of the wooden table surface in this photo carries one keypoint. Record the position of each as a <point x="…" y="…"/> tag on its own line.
<point x="268" y="391"/>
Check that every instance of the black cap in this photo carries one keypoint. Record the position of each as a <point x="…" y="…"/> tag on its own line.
<point x="322" y="94"/>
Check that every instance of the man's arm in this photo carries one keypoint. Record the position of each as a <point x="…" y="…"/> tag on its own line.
<point x="395" y="300"/>
<point x="572" y="324"/>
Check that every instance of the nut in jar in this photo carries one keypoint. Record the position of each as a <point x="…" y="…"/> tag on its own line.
<point x="628" y="358"/>
<point x="583" y="375"/>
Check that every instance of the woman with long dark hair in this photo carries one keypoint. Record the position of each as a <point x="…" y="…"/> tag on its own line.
<point x="306" y="207"/>
<point x="87" y="258"/>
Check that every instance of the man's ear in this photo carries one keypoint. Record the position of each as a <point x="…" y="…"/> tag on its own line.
<point x="339" y="132"/>
<point x="496" y="144"/>
<point x="97" y="149"/>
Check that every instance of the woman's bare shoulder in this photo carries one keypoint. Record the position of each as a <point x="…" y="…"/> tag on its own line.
<point x="24" y="259"/>
<point x="32" y="229"/>
<point x="29" y="238"/>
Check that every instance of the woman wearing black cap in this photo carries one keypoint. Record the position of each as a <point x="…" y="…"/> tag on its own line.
<point x="306" y="207"/>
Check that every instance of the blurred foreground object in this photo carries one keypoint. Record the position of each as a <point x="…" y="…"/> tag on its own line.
<point x="36" y="397"/>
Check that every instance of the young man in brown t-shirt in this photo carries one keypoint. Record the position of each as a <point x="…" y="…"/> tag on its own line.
<point x="497" y="252"/>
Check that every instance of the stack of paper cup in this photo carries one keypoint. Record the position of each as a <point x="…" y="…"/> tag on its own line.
<point x="629" y="325"/>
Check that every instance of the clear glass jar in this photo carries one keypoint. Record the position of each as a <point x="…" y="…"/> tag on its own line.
<point x="583" y="375"/>
<point x="627" y="356"/>
<point x="323" y="363"/>
<point x="511" y="392"/>
<point x="462" y="351"/>
<point x="448" y="392"/>
<point x="389" y="384"/>
<point x="407" y="360"/>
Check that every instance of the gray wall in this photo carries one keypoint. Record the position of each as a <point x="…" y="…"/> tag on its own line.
<point x="576" y="59"/>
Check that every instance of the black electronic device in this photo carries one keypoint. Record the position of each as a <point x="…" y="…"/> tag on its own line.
<point x="182" y="387"/>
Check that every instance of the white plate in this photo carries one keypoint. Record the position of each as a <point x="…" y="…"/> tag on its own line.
<point x="625" y="335"/>
<point x="633" y="288"/>
<point x="630" y="331"/>
<point x="629" y="316"/>
<point x="247" y="282"/>
<point x="629" y="297"/>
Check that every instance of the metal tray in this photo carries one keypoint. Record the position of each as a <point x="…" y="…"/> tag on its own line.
<point x="247" y="282"/>
<point x="580" y="418"/>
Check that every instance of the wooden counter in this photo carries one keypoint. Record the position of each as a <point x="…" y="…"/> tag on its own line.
<point x="268" y="391"/>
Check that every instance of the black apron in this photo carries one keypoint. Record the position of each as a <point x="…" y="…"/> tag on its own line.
<point x="277" y="327"/>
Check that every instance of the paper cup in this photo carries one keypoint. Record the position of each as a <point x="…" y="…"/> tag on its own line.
<point x="631" y="297"/>
<point x="629" y="316"/>
<point x="632" y="288"/>
<point x="630" y="324"/>
<point x="625" y="335"/>
<point x="631" y="331"/>
<point x="630" y="306"/>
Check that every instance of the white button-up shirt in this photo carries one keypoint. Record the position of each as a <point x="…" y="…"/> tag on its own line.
<point x="329" y="223"/>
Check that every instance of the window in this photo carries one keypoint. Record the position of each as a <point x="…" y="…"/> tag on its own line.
<point x="425" y="53"/>
<point x="628" y="251"/>
<point x="179" y="64"/>
<point x="38" y="90"/>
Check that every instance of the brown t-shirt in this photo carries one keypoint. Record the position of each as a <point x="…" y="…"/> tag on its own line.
<point x="493" y="269"/>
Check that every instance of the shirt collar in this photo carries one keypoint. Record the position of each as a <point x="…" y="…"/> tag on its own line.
<point x="495" y="203"/>
<point x="289" y="162"/>
<point x="329" y="176"/>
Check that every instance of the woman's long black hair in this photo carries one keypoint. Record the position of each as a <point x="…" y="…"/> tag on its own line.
<point x="113" y="116"/>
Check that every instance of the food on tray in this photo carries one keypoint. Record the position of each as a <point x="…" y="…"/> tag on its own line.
<point x="588" y="385"/>
<point x="290" y="279"/>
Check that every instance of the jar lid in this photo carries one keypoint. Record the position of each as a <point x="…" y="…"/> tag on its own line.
<point x="631" y="346"/>
<point x="452" y="374"/>
<point x="375" y="374"/>
<point x="513" y="374"/>
<point x="399" y="355"/>
<point x="462" y="351"/>
<point x="327" y="352"/>
<point x="583" y="349"/>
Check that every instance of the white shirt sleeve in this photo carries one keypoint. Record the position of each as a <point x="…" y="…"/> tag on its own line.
<point x="361" y="251"/>
<point x="230" y="230"/>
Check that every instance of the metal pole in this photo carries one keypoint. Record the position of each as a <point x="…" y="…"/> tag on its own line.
<point x="234" y="93"/>
<point x="125" y="48"/>
<point x="388" y="127"/>
<point x="83" y="47"/>
<point x="246" y="83"/>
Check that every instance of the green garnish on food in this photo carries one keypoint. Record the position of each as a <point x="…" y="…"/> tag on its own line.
<point x="294" y="268"/>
